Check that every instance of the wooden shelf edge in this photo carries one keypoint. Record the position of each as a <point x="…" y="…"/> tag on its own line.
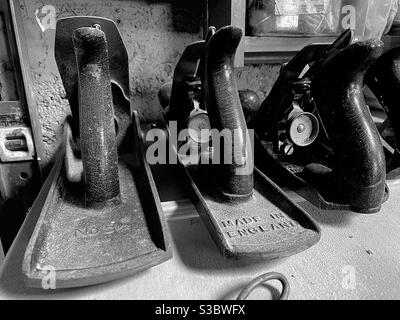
<point x="277" y="50"/>
<point x="281" y="44"/>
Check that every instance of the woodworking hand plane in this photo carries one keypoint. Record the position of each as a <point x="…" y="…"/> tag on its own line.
<point x="314" y="133"/>
<point x="383" y="78"/>
<point x="21" y="143"/>
<point x="247" y="215"/>
<point x="100" y="214"/>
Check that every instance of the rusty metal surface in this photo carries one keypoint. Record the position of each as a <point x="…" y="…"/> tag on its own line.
<point x="125" y="231"/>
<point x="94" y="246"/>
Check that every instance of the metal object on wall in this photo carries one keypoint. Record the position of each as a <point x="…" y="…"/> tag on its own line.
<point x="339" y="163"/>
<point x="21" y="145"/>
<point x="247" y="215"/>
<point x="100" y="214"/>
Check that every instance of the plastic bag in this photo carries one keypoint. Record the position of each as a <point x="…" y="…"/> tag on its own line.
<point x="369" y="18"/>
<point x="294" y="16"/>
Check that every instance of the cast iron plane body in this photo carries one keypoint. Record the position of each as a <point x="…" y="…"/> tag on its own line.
<point x="101" y="217"/>
<point x="314" y="133"/>
<point x="383" y="78"/>
<point x="247" y="215"/>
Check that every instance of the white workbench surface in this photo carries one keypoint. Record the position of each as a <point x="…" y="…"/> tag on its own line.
<point x="369" y="244"/>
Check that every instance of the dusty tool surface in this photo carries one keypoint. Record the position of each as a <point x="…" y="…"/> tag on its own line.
<point x="299" y="142"/>
<point x="247" y="215"/>
<point x="101" y="216"/>
<point x="91" y="246"/>
<point x="268" y="225"/>
<point x="94" y="230"/>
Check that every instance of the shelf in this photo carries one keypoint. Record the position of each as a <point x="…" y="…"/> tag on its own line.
<point x="280" y="49"/>
<point x="277" y="49"/>
<point x="272" y="48"/>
